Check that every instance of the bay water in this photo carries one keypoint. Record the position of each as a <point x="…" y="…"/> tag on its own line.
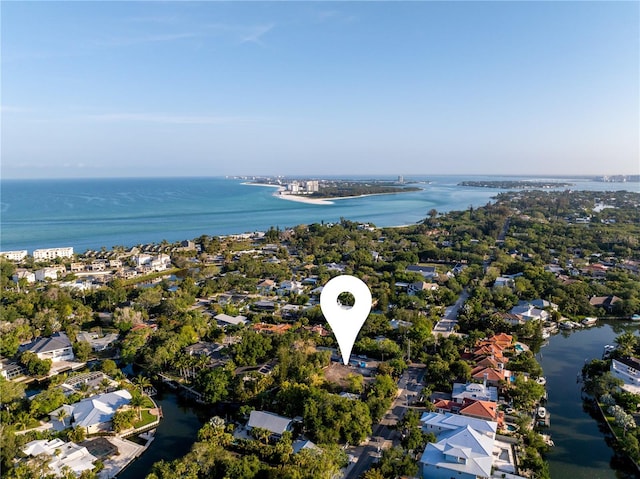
<point x="581" y="448"/>
<point x="95" y="213"/>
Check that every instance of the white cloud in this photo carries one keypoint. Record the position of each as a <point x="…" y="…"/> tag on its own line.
<point x="255" y="36"/>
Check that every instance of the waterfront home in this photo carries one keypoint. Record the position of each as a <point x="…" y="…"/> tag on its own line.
<point x="57" y="347"/>
<point x="628" y="370"/>
<point x="63" y="456"/>
<point x="466" y="448"/>
<point x="94" y="414"/>
<point x="528" y="312"/>
<point x="605" y="302"/>
<point x="10" y="370"/>
<point x="491" y="376"/>
<point x="16" y="255"/>
<point x="269" y="421"/>
<point x="437" y="424"/>
<point x="480" y="392"/>
<point x="48" y="254"/>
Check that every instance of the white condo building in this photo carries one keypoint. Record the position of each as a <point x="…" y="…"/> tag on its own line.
<point x="52" y="253"/>
<point x="17" y="255"/>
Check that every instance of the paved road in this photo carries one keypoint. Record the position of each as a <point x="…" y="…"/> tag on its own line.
<point x="383" y="437"/>
<point x="449" y="320"/>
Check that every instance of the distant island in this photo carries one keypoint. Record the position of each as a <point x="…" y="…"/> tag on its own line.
<point x="333" y="189"/>
<point x="523" y="184"/>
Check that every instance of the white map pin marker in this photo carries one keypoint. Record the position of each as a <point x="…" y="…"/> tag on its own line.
<point x="345" y="321"/>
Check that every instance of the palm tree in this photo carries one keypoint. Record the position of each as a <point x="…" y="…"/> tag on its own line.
<point x="142" y="382"/>
<point x="62" y="414"/>
<point x="627" y="343"/>
<point x="137" y="400"/>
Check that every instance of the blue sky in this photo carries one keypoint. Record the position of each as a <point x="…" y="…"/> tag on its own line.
<point x="97" y="89"/>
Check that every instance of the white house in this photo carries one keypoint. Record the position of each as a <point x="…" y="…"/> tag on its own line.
<point x="95" y="413"/>
<point x="627" y="369"/>
<point x="466" y="448"/>
<point x="290" y="287"/>
<point x="50" y="272"/>
<point x="63" y="455"/>
<point x="478" y="392"/>
<point x="56" y="347"/>
<point x="528" y="312"/>
<point x="97" y="342"/>
<point x="25" y="274"/>
<point x="273" y="423"/>
<point x="225" y="320"/>
<point x="438" y="423"/>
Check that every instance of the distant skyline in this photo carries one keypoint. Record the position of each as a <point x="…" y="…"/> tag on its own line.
<point x="125" y="89"/>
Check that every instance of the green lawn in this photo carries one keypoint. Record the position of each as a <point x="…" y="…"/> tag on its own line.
<point x="147" y="418"/>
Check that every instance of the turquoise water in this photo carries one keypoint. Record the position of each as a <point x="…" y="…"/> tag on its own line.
<point x="91" y="213"/>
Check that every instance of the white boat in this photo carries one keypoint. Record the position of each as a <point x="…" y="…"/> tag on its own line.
<point x="541" y="380"/>
<point x="542" y="412"/>
<point x="589" y="321"/>
<point x="635" y="317"/>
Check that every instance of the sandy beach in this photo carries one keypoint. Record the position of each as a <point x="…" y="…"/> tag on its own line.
<point x="311" y="201"/>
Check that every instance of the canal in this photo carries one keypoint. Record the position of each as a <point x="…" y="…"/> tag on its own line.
<point x="174" y="436"/>
<point x="581" y="450"/>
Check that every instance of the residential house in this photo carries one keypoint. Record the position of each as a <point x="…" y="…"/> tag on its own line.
<point x="466" y="448"/>
<point x="50" y="272"/>
<point x="605" y="302"/>
<point x="437" y="424"/>
<point x="25" y="274"/>
<point x="97" y="342"/>
<point x="273" y="423"/>
<point x="527" y="312"/>
<point x="485" y="410"/>
<point x="303" y="444"/>
<point x="95" y="413"/>
<point x="503" y="282"/>
<point x="203" y="348"/>
<point x="64" y="456"/>
<point x="425" y="271"/>
<point x="491" y="376"/>
<point x="290" y="287"/>
<point x="10" y="369"/>
<point x="414" y="288"/>
<point x="56" y="347"/>
<point x="264" y="306"/>
<point x="479" y="392"/>
<point x="290" y="311"/>
<point x="627" y="369"/>
<point x="225" y="320"/>
<point x="266" y="287"/>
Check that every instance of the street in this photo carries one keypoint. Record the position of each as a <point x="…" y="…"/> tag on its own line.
<point x="383" y="436"/>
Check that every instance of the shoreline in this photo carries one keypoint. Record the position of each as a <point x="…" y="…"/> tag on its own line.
<point x="314" y="201"/>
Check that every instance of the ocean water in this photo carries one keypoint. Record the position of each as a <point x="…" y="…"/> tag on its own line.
<point x="92" y="213"/>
